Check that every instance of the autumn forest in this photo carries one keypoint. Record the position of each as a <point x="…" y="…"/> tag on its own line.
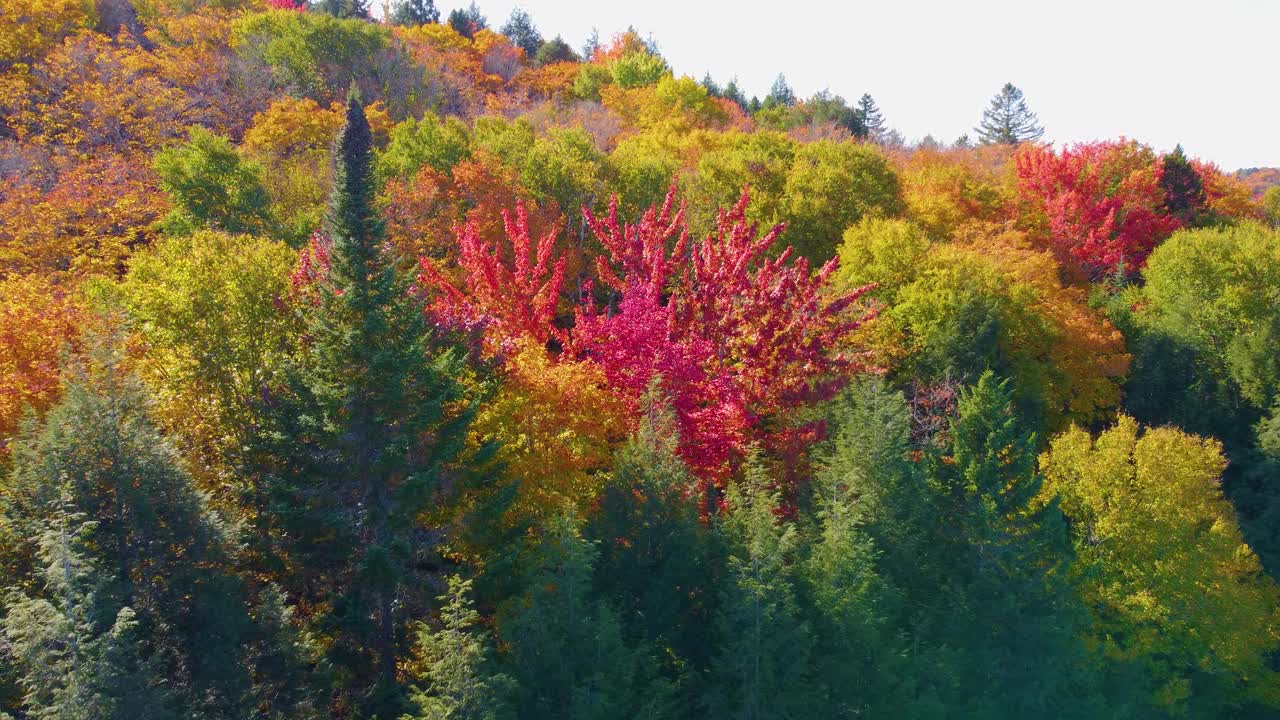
<point x="385" y="363"/>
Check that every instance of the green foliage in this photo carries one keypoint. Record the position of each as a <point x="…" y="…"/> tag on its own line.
<point x="79" y="661"/>
<point x="520" y="30"/>
<point x="640" y="169"/>
<point x="467" y="21"/>
<point x="780" y="93"/>
<point x="314" y="55"/>
<point x="373" y="418"/>
<point x="562" y="164"/>
<point x="1184" y="195"/>
<point x="638" y="69"/>
<point x="1006" y="553"/>
<point x="657" y="558"/>
<point x="553" y="51"/>
<point x="565" y="642"/>
<point x="1008" y="120"/>
<point x="1163" y="569"/>
<point x="414" y="12"/>
<point x="1217" y="291"/>
<point x="342" y="8"/>
<point x="212" y="187"/>
<point x="764" y="647"/>
<point x="1271" y="206"/>
<point x="206" y="307"/>
<point x="430" y="141"/>
<point x="453" y="663"/>
<point x="872" y="120"/>
<point x="760" y="160"/>
<point x="155" y="551"/>
<point x="831" y="186"/>
<point x="1206" y="346"/>
<point x="590" y="78"/>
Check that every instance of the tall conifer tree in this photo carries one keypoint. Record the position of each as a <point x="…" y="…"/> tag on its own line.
<point x="1008" y="121"/>
<point x="373" y="419"/>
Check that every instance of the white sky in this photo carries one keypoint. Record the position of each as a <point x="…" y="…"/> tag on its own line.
<point x="1198" y="72"/>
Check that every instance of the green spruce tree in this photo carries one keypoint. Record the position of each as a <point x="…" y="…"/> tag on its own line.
<point x="1004" y="552"/>
<point x="520" y="30"/>
<point x="414" y="12"/>
<point x="565" y="645"/>
<point x="1008" y="121"/>
<point x="372" y="417"/>
<point x="659" y="563"/>
<point x="764" y="649"/>
<point x="456" y="682"/>
<point x="154" y="549"/>
<point x="1184" y="196"/>
<point x="780" y="93"/>
<point x="872" y="120"/>
<point x="77" y="647"/>
<point x="343" y="8"/>
<point x="554" y="50"/>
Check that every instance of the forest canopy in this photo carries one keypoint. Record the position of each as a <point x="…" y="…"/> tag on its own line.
<point x="382" y="363"/>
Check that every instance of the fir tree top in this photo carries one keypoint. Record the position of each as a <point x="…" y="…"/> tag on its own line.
<point x="1008" y="121"/>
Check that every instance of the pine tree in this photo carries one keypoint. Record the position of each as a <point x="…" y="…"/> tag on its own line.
<point x="591" y="45"/>
<point x="415" y="12"/>
<point x="370" y="419"/>
<point x="520" y="29"/>
<point x="453" y="665"/>
<point x="734" y="93"/>
<point x="1011" y="615"/>
<point x="553" y="51"/>
<point x="872" y="119"/>
<point x="764" y="648"/>
<point x="866" y="554"/>
<point x="1184" y="195"/>
<point x="658" y="561"/>
<point x="712" y="87"/>
<point x="154" y="549"/>
<point x="565" y="644"/>
<point x="780" y="93"/>
<point x="1008" y="121"/>
<point x="78" y="649"/>
<point x="469" y="21"/>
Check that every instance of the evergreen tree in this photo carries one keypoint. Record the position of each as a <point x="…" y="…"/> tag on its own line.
<point x="763" y="646"/>
<point x="591" y="45"/>
<point x="734" y="93"/>
<point x="866" y="553"/>
<point x="1003" y="551"/>
<point x="1184" y="194"/>
<point x="565" y="644"/>
<point x="414" y="12"/>
<point x="553" y="51"/>
<point x="658" y="561"/>
<point x="712" y="87"/>
<point x="157" y="587"/>
<point x="453" y="665"/>
<point x="343" y="8"/>
<point x="824" y="107"/>
<point x="469" y="21"/>
<point x="371" y="419"/>
<point x="1008" y="121"/>
<point x="520" y="29"/>
<point x="780" y="93"/>
<point x="78" y="649"/>
<point x="872" y="119"/>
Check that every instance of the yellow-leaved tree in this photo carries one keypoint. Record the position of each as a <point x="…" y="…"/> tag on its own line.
<point x="1171" y="584"/>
